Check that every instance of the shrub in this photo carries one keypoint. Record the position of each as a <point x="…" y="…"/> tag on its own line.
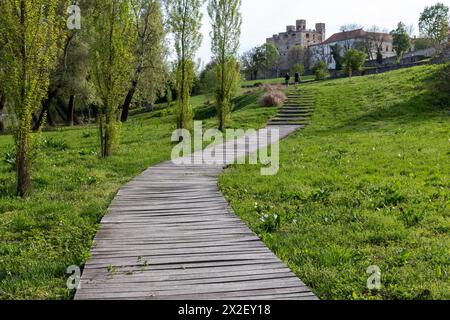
<point x="354" y="60"/>
<point x="320" y="70"/>
<point x="273" y="96"/>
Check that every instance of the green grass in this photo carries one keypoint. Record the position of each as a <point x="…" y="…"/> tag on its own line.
<point x="41" y="236"/>
<point x="280" y="80"/>
<point x="368" y="183"/>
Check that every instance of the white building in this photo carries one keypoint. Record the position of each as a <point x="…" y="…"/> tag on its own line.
<point x="355" y="39"/>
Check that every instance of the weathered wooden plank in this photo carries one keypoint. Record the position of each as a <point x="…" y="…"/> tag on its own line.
<point x="170" y="234"/>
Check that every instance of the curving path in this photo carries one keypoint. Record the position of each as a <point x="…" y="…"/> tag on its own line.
<point x="170" y="235"/>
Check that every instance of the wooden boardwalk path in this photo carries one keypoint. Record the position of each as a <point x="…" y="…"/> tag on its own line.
<point x="170" y="235"/>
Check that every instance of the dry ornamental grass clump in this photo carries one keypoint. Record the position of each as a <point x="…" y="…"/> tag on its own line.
<point x="273" y="96"/>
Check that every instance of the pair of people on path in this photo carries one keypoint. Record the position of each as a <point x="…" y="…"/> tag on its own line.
<point x="287" y="77"/>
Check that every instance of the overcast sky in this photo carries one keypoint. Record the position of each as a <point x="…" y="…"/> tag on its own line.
<point x="263" y="18"/>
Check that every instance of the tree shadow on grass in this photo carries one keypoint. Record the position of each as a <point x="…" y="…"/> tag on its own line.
<point x="430" y="102"/>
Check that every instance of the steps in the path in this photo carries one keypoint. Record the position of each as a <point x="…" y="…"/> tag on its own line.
<point x="297" y="110"/>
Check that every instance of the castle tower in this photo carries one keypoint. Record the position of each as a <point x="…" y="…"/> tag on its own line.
<point x="290" y="28"/>
<point x="301" y="25"/>
<point x="321" y="28"/>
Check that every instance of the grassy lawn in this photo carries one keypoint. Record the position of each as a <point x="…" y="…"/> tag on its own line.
<point x="368" y="183"/>
<point x="280" y="80"/>
<point x="53" y="228"/>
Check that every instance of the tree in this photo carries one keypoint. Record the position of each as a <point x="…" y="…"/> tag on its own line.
<point x="226" y="23"/>
<point x="271" y="58"/>
<point x="297" y="55"/>
<point x="423" y="43"/>
<point x="260" y="59"/>
<point x="30" y="30"/>
<point x="148" y="49"/>
<point x="111" y="65"/>
<point x="401" y="41"/>
<point x="320" y="70"/>
<point x="434" y="23"/>
<point x="354" y="60"/>
<point x="350" y="27"/>
<point x="185" y="23"/>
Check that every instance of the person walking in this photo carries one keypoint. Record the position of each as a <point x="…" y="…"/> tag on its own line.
<point x="297" y="78"/>
<point x="287" y="77"/>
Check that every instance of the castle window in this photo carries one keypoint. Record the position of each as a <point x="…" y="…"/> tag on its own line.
<point x="307" y="35"/>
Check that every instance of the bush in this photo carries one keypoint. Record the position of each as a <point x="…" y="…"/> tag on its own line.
<point x="273" y="96"/>
<point x="320" y="70"/>
<point x="354" y="60"/>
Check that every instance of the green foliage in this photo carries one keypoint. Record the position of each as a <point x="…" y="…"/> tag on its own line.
<point x="262" y="59"/>
<point x="353" y="61"/>
<point x="73" y="187"/>
<point x="29" y="32"/>
<point x="401" y="41"/>
<point x="226" y="22"/>
<point x="366" y="184"/>
<point x="320" y="70"/>
<point x="300" y="68"/>
<point x="423" y="43"/>
<point x="434" y="23"/>
<point x="111" y="65"/>
<point x="297" y="55"/>
<point x="184" y="18"/>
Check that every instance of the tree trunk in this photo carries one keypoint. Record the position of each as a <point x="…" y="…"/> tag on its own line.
<point x="70" y="110"/>
<point x="45" y="109"/>
<point x="128" y="99"/>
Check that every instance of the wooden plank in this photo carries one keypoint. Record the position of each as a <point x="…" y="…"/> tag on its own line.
<point x="170" y="234"/>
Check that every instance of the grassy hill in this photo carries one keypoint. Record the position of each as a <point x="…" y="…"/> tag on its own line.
<point x="53" y="229"/>
<point x="368" y="183"/>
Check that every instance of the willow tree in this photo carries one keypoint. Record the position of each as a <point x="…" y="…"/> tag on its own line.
<point x="30" y="30"/>
<point x="111" y="57"/>
<point x="226" y="23"/>
<point x="184" y="17"/>
<point x="148" y="51"/>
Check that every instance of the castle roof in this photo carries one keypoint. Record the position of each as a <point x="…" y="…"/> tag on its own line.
<point x="356" y="34"/>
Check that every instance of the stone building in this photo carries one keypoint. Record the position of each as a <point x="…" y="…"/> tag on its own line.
<point x="355" y="39"/>
<point x="296" y="35"/>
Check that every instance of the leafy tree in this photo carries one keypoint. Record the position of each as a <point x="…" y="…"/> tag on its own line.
<point x="434" y="23"/>
<point x="111" y="65"/>
<point x="423" y="43"/>
<point x="70" y="77"/>
<point x="185" y="22"/>
<point x="401" y="41"/>
<point x="271" y="58"/>
<point x="260" y="59"/>
<point x="354" y="60"/>
<point x="207" y="80"/>
<point x="148" y="51"/>
<point x="30" y="30"/>
<point x="226" y="24"/>
<point x="320" y="70"/>
<point x="297" y="55"/>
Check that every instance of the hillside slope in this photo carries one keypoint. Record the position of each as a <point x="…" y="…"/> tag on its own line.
<point x="367" y="184"/>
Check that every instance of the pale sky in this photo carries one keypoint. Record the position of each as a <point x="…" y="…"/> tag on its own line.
<point x="263" y="18"/>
